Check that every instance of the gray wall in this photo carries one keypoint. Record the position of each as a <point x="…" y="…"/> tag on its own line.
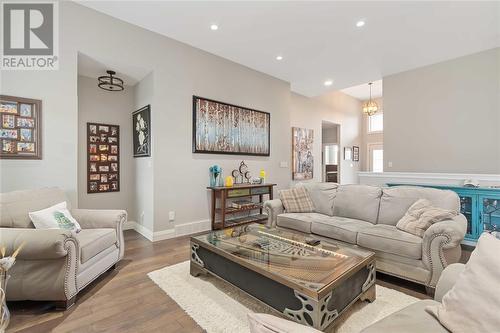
<point x="444" y="117"/>
<point x="100" y="106"/>
<point x="143" y="166"/>
<point x="338" y="108"/>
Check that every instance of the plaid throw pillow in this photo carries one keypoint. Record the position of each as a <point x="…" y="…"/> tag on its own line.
<point x="421" y="215"/>
<point x="296" y="200"/>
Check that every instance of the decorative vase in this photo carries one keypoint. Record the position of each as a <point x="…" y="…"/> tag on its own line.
<point x="212" y="179"/>
<point x="4" y="311"/>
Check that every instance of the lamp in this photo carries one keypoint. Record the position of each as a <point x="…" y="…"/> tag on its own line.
<point x="370" y="107"/>
<point x="110" y="82"/>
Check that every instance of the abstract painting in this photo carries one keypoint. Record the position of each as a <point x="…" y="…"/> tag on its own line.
<point x="302" y="154"/>
<point x="141" y="124"/>
<point x="221" y="128"/>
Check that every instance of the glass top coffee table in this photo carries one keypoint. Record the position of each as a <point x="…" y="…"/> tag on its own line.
<point x="312" y="285"/>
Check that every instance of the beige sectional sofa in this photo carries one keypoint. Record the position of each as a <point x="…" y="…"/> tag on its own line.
<point x="55" y="264"/>
<point x="367" y="216"/>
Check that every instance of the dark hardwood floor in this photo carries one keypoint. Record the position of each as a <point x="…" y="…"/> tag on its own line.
<point x="126" y="300"/>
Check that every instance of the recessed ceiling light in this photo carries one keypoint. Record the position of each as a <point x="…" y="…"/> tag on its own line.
<point x="279" y="57"/>
<point x="214" y="27"/>
<point x="360" y="23"/>
<point x="328" y="83"/>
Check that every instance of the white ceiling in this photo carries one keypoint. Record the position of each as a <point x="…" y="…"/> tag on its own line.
<point x="93" y="68"/>
<point x="319" y="40"/>
<point x="362" y="91"/>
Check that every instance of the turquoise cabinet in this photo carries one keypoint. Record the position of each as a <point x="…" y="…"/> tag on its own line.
<point x="480" y="206"/>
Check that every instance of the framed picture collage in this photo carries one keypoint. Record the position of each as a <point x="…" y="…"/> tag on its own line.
<point x="103" y="158"/>
<point x="20" y="131"/>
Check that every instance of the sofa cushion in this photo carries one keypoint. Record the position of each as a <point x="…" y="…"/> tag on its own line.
<point x="299" y="221"/>
<point x="296" y="200"/>
<point x="94" y="241"/>
<point x="322" y="195"/>
<point x="387" y="238"/>
<point x="15" y="206"/>
<point x="395" y="201"/>
<point x="411" y="319"/>
<point x="341" y="228"/>
<point x="360" y="202"/>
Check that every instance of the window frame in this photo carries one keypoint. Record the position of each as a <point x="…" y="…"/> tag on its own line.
<point x="368" y="124"/>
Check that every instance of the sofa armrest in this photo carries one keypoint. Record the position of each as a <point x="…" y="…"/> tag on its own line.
<point x="447" y="280"/>
<point x="440" y="237"/>
<point x="273" y="208"/>
<point x="99" y="218"/>
<point x="37" y="243"/>
<point x="103" y="218"/>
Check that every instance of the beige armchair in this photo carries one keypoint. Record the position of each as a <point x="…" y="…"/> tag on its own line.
<point x="55" y="264"/>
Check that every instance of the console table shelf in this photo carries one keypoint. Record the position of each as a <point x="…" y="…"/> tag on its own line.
<point x="222" y="215"/>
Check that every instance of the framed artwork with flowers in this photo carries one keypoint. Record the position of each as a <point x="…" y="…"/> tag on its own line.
<point x="222" y="128"/>
<point x="141" y="126"/>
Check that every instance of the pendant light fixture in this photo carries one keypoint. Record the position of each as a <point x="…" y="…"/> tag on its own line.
<point x="110" y="82"/>
<point x="370" y="107"/>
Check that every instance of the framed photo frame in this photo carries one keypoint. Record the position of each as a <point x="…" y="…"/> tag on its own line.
<point x="103" y="158"/>
<point x="355" y="153"/>
<point x="21" y="128"/>
<point x="141" y="127"/>
<point x="222" y="128"/>
<point x="302" y="153"/>
<point x="347" y="153"/>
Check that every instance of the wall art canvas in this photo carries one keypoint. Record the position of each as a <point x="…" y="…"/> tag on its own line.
<point x="141" y="125"/>
<point x="103" y="158"/>
<point x="20" y="130"/>
<point x="221" y="128"/>
<point x="302" y="153"/>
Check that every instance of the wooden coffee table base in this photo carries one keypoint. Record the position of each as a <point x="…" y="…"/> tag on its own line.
<point x="319" y="312"/>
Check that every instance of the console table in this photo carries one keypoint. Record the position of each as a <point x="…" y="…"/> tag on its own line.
<point x="224" y="216"/>
<point x="480" y="205"/>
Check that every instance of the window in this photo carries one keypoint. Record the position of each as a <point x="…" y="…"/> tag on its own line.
<point x="376" y="123"/>
<point x="376" y="153"/>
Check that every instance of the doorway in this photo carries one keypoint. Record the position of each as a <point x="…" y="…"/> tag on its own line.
<point x="330" y="152"/>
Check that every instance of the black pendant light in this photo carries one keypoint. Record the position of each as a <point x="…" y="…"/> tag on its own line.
<point x="110" y="82"/>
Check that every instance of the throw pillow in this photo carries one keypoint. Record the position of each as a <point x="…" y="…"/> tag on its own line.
<point x="473" y="303"/>
<point x="264" y="323"/>
<point x="421" y="215"/>
<point x="296" y="200"/>
<point x="55" y="217"/>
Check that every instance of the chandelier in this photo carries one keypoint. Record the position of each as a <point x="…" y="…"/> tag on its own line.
<point x="110" y="82"/>
<point x="370" y="107"/>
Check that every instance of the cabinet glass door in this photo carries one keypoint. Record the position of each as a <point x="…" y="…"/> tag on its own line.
<point x="468" y="209"/>
<point x="490" y="213"/>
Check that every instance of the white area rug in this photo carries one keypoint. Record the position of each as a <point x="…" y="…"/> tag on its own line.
<point x="219" y="307"/>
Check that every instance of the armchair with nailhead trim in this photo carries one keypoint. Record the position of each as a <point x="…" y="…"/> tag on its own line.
<point x="55" y="264"/>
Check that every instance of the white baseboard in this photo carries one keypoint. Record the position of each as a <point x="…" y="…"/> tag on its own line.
<point x="178" y="230"/>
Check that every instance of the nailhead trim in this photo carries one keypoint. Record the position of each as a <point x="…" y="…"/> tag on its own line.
<point x="69" y="257"/>
<point x="441" y="254"/>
